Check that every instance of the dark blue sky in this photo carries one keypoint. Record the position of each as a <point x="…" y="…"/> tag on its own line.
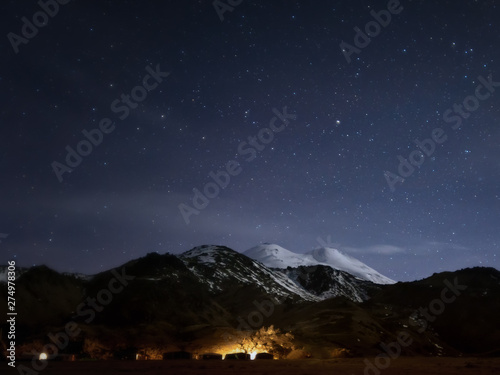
<point x="178" y="93"/>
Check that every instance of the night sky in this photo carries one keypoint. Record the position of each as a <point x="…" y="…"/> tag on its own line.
<point x="261" y="96"/>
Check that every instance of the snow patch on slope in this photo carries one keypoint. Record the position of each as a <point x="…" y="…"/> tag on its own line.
<point x="229" y="265"/>
<point x="205" y="254"/>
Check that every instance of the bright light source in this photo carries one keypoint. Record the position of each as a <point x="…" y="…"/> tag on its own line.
<point x="253" y="355"/>
<point x="43" y="357"/>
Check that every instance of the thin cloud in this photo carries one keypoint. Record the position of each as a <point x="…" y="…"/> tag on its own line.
<point x="375" y="249"/>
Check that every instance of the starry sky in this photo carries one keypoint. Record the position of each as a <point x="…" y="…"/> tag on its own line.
<point x="307" y="124"/>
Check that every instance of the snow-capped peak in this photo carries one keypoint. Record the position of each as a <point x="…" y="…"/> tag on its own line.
<point x="338" y="260"/>
<point x="278" y="257"/>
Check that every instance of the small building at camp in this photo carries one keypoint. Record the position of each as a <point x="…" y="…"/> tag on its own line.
<point x="237" y="356"/>
<point x="211" y="356"/>
<point x="264" y="356"/>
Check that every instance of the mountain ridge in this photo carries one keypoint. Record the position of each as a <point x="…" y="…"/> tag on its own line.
<point x="203" y="300"/>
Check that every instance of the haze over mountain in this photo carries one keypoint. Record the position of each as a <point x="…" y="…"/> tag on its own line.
<point x="275" y="256"/>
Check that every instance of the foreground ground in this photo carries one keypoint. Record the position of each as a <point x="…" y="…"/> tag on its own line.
<point x="351" y="366"/>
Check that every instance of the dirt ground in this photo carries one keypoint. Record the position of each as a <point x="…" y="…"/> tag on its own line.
<point x="351" y="366"/>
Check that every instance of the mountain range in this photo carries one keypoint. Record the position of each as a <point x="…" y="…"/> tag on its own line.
<point x="203" y="300"/>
